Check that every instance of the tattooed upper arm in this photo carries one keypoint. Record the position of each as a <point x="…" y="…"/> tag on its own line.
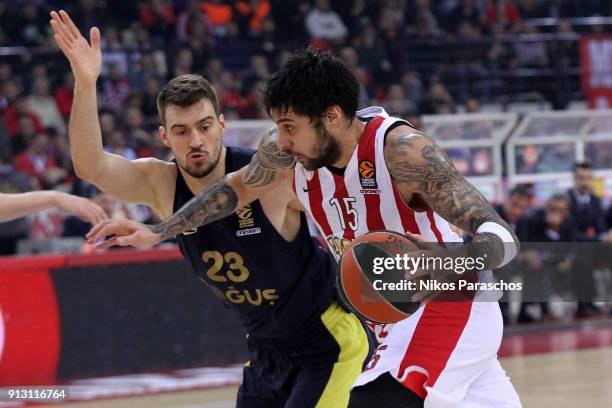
<point x="266" y="163"/>
<point x="417" y="162"/>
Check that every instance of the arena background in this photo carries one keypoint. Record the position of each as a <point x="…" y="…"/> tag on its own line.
<point x="516" y="91"/>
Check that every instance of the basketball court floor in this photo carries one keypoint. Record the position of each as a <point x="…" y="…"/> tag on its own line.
<point x="550" y="365"/>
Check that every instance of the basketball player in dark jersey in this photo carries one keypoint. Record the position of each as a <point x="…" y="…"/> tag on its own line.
<point x="305" y="349"/>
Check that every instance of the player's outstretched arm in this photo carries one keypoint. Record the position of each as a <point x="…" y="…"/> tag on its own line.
<point x="419" y="164"/>
<point x="127" y="180"/>
<point x="268" y="167"/>
<point x="19" y="205"/>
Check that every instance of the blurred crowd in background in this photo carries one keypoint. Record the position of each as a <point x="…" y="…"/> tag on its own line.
<point x="412" y="57"/>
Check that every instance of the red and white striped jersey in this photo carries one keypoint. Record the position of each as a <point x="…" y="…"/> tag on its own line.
<point x="365" y="198"/>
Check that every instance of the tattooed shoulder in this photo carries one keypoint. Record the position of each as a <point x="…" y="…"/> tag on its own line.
<point x="267" y="161"/>
<point x="269" y="153"/>
<point x="413" y="157"/>
<point x="418" y="162"/>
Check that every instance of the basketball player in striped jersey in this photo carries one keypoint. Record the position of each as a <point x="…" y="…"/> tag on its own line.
<point x="356" y="172"/>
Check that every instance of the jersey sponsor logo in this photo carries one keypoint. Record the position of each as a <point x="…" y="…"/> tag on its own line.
<point x="248" y="231"/>
<point x="245" y="217"/>
<point x="367" y="177"/>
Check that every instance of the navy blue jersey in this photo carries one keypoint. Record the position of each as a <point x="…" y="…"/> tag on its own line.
<point x="275" y="286"/>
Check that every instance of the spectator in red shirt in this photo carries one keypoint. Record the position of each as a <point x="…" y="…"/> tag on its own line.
<point x="503" y="12"/>
<point x="19" y="109"/>
<point x="64" y="94"/>
<point x="251" y="14"/>
<point x="38" y="163"/>
<point x="219" y="14"/>
<point x="158" y="18"/>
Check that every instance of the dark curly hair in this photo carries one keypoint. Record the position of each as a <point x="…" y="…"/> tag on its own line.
<point x="308" y="83"/>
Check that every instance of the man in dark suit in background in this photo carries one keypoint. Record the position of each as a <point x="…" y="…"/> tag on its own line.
<point x="513" y="211"/>
<point x="541" y="261"/>
<point x="588" y="215"/>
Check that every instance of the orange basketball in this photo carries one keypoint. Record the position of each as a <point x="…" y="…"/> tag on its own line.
<point x="357" y="280"/>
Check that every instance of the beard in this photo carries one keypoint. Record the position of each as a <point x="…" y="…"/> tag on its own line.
<point x="203" y="168"/>
<point x="327" y="150"/>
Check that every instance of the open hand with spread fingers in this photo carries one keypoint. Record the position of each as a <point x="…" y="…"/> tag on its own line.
<point x="122" y="232"/>
<point x="85" y="59"/>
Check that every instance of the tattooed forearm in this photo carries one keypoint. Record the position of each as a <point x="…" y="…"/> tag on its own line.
<point x="213" y="204"/>
<point x="416" y="161"/>
<point x="489" y="248"/>
<point x="269" y="158"/>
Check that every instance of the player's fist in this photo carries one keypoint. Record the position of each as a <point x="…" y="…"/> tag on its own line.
<point x="85" y="59"/>
<point x="122" y="232"/>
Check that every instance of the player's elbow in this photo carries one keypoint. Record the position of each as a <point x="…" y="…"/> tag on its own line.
<point x="90" y="172"/>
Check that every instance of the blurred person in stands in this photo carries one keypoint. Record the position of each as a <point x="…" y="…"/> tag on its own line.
<point x="42" y="103"/>
<point x="39" y="163"/>
<point x="372" y="53"/>
<point x="514" y="209"/>
<point x="115" y="88"/>
<point x="586" y="205"/>
<point x="250" y="15"/>
<point x="190" y="17"/>
<point x="482" y="162"/>
<point x="438" y="99"/>
<point x="235" y="51"/>
<point x="63" y="96"/>
<point x="397" y="104"/>
<point x="157" y="16"/>
<point x="543" y="263"/>
<point x="464" y="10"/>
<point x="258" y="72"/>
<point x="472" y="105"/>
<point x="323" y="23"/>
<point x="528" y="160"/>
<point x="149" y="109"/>
<point x="502" y="12"/>
<point x="588" y="214"/>
<point x="25" y="134"/>
<point x="219" y="14"/>
<point x="529" y="9"/>
<point x="15" y="111"/>
<point x="137" y="136"/>
<point x="183" y="62"/>
<point x="28" y="27"/>
<point x="117" y="144"/>
<point x="529" y="52"/>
